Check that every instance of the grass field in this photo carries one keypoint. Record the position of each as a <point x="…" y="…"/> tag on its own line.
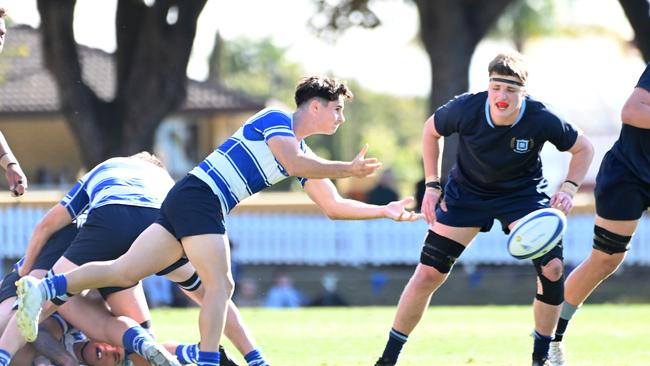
<point x="608" y="335"/>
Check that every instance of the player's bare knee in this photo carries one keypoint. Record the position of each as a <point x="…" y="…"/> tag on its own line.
<point x="440" y="252"/>
<point x="610" y="263"/>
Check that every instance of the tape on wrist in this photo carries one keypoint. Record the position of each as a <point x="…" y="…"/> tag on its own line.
<point x="570" y="188"/>
<point x="7" y="159"/>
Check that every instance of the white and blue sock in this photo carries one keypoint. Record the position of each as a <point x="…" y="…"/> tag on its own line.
<point x="5" y="358"/>
<point x="256" y="358"/>
<point x="134" y="338"/>
<point x="187" y="353"/>
<point x="54" y="286"/>
<point x="208" y="358"/>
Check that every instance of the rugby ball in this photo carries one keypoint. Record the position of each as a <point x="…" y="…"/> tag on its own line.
<point x="536" y="233"/>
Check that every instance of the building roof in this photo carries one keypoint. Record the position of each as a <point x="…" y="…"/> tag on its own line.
<point x="26" y="86"/>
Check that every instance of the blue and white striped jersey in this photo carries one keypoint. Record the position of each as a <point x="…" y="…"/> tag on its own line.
<point x="121" y="181"/>
<point x="244" y="164"/>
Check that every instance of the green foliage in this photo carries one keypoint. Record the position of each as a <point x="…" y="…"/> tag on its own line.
<point x="452" y="336"/>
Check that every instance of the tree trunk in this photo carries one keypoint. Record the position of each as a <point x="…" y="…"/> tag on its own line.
<point x="638" y="14"/>
<point x="151" y="62"/>
<point x="450" y="31"/>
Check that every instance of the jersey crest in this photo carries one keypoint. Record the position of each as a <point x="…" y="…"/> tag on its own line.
<point x="521" y="146"/>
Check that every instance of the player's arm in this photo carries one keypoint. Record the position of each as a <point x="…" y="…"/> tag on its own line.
<point x="298" y="163"/>
<point x="16" y="179"/>
<point x="636" y="110"/>
<point x="48" y="344"/>
<point x="582" y="153"/>
<point x="430" y="158"/>
<point x="324" y="194"/>
<point x="54" y="220"/>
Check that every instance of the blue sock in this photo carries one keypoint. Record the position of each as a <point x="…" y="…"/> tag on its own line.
<point x="134" y="338"/>
<point x="256" y="358"/>
<point x="394" y="345"/>
<point x="208" y="358"/>
<point x="187" y="353"/>
<point x="541" y="346"/>
<point x="5" y="358"/>
<point x="54" y="286"/>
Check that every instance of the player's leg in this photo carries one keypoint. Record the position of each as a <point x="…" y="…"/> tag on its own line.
<point x="210" y="255"/>
<point x="442" y="246"/>
<point x="187" y="279"/>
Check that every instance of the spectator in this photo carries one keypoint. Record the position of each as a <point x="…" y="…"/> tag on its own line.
<point x="330" y="297"/>
<point x="283" y="294"/>
<point x="384" y="192"/>
<point x="248" y="295"/>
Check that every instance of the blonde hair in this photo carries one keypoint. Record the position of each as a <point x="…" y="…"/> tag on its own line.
<point x="149" y="158"/>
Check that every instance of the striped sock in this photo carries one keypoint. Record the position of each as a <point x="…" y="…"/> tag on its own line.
<point x="5" y="358"/>
<point x="394" y="345"/>
<point x="54" y="286"/>
<point x="187" y="353"/>
<point x="134" y="338"/>
<point x="256" y="358"/>
<point x="208" y="358"/>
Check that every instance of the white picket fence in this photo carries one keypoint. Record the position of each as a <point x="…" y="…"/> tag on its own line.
<point x="311" y="239"/>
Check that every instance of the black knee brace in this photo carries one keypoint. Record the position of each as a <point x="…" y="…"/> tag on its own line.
<point x="191" y="284"/>
<point x="552" y="292"/>
<point x="610" y="243"/>
<point x="440" y="252"/>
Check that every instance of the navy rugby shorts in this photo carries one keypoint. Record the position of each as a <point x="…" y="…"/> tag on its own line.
<point x="620" y="194"/>
<point x="191" y="208"/>
<point x="108" y="233"/>
<point x="469" y="209"/>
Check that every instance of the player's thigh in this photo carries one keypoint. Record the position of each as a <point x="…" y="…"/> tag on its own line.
<point x="210" y="255"/>
<point x="461" y="235"/>
<point x="620" y="227"/>
<point x="130" y="302"/>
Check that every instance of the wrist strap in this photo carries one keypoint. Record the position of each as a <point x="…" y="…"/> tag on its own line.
<point x="569" y="187"/>
<point x="7" y="159"/>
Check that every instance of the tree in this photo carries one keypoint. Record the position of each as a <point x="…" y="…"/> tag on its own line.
<point x="154" y="40"/>
<point x="638" y="13"/>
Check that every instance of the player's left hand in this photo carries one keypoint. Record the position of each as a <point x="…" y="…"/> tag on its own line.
<point x="16" y="180"/>
<point x="562" y="201"/>
<point x="396" y="210"/>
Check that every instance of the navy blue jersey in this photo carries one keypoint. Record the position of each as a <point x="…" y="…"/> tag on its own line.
<point x="500" y="159"/>
<point x="632" y="147"/>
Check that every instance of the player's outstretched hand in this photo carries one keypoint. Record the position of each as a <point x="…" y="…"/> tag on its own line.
<point x="396" y="210"/>
<point x="362" y="167"/>
<point x="562" y="201"/>
<point x="16" y="180"/>
<point x="429" y="201"/>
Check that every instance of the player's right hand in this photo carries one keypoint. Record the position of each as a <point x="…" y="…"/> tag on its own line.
<point x="362" y="167"/>
<point x="429" y="201"/>
<point x="16" y="180"/>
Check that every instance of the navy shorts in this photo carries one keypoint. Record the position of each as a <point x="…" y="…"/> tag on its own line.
<point x="620" y="194"/>
<point x="468" y="209"/>
<point x="8" y="287"/>
<point x="108" y="233"/>
<point x="191" y="208"/>
<point x="55" y="247"/>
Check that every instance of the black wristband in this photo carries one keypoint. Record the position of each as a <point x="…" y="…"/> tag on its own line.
<point x="434" y="185"/>
<point x="572" y="182"/>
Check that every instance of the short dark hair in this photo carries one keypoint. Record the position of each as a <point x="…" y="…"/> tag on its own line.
<point x="149" y="158"/>
<point x="3" y="13"/>
<point x="320" y="87"/>
<point x="509" y="64"/>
